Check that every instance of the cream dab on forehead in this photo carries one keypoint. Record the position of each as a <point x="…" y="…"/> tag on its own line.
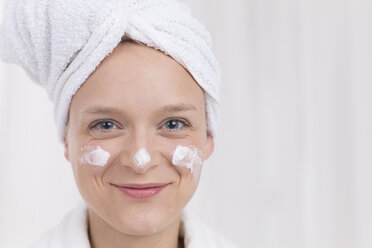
<point x="187" y="156"/>
<point x="94" y="155"/>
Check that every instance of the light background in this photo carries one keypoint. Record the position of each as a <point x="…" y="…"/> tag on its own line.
<point x="293" y="159"/>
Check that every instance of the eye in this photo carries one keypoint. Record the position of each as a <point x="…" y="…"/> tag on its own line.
<point x="175" y="124"/>
<point x="104" y="125"/>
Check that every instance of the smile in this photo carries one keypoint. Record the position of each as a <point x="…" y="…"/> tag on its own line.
<point x="141" y="191"/>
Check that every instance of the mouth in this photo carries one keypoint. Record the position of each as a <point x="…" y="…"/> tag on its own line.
<point x="141" y="191"/>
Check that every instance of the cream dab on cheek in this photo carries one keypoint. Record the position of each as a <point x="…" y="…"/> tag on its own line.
<point x="94" y="155"/>
<point x="187" y="156"/>
<point x="142" y="157"/>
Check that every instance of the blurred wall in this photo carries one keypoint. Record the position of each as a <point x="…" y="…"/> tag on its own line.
<point x="293" y="160"/>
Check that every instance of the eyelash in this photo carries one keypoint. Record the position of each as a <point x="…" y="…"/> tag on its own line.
<point x="185" y="124"/>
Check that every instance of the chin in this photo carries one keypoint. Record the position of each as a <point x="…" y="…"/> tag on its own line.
<point x="144" y="221"/>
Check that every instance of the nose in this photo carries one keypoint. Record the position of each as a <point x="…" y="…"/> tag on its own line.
<point x="139" y="154"/>
<point x="142" y="157"/>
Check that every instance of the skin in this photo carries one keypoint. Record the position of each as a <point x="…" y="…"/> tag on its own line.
<point x="146" y="89"/>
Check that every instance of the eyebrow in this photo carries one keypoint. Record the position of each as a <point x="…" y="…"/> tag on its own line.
<point x="178" y="108"/>
<point x="102" y="110"/>
<point x="173" y="108"/>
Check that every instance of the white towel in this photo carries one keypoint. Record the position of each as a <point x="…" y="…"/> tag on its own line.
<point x="60" y="43"/>
<point x="72" y="232"/>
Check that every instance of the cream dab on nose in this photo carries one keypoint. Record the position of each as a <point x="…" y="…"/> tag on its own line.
<point x="142" y="157"/>
<point x="94" y="155"/>
<point x="187" y="156"/>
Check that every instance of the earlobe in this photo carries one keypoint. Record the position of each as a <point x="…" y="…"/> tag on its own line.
<point x="209" y="147"/>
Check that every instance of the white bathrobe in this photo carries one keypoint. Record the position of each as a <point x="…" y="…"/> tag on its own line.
<point x="71" y="232"/>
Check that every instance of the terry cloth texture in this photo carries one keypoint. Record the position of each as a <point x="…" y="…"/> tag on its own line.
<point x="72" y="232"/>
<point x="61" y="42"/>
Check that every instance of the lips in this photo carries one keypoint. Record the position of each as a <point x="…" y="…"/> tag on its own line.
<point x="141" y="191"/>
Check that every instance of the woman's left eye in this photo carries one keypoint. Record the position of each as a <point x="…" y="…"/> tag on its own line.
<point x="175" y="124"/>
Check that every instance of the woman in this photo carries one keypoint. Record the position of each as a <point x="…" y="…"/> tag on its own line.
<point x="135" y="90"/>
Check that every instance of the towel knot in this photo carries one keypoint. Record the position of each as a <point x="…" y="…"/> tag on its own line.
<point x="60" y="43"/>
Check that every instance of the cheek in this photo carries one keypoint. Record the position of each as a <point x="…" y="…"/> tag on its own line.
<point x="189" y="157"/>
<point x="94" y="155"/>
<point x="185" y="158"/>
<point x="90" y="163"/>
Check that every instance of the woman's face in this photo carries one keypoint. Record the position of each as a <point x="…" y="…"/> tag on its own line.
<point x="137" y="100"/>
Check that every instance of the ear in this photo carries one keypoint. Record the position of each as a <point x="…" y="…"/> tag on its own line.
<point x="209" y="146"/>
<point x="67" y="156"/>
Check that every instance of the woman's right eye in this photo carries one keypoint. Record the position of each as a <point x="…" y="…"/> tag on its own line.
<point x="105" y="125"/>
<point x="104" y="128"/>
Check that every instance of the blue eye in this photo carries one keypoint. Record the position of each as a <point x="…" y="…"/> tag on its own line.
<point x="175" y="124"/>
<point x="104" y="125"/>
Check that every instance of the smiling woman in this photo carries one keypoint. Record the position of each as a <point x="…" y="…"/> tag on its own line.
<point x="135" y="91"/>
<point x="149" y="106"/>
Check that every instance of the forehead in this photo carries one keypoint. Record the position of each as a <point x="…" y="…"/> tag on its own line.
<point x="136" y="76"/>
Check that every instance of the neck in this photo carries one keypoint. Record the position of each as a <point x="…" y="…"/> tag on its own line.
<point x="103" y="235"/>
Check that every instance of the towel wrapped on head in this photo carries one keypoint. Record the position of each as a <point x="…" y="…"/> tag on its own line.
<point x="59" y="43"/>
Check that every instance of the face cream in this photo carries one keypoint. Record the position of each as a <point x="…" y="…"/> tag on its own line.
<point x="94" y="155"/>
<point x="142" y="157"/>
<point x="187" y="156"/>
